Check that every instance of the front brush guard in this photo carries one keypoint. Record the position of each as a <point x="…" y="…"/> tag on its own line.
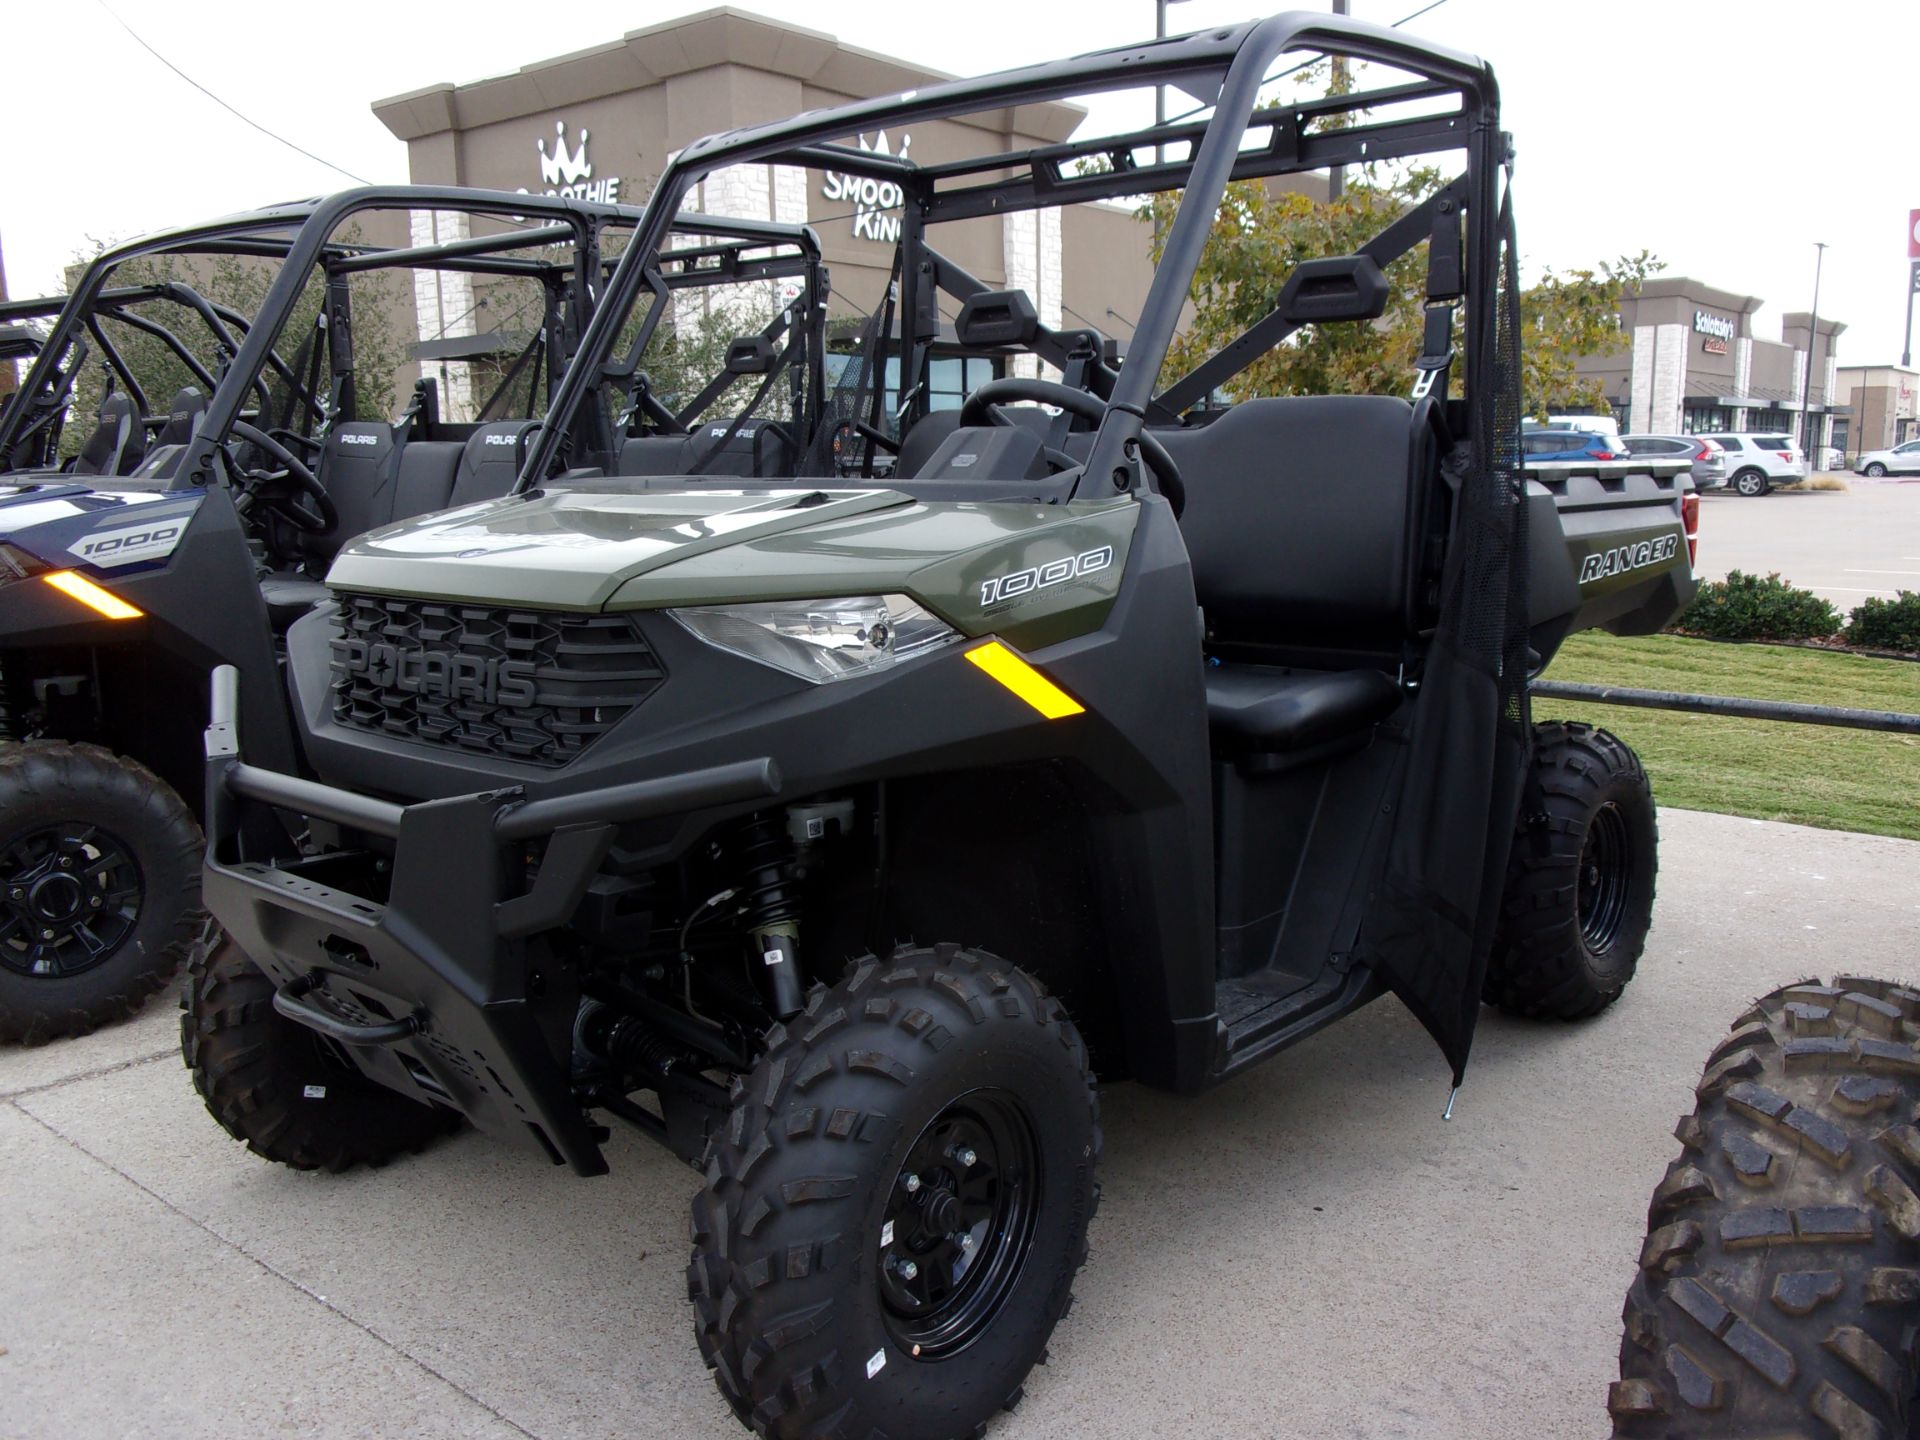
<point x="433" y="992"/>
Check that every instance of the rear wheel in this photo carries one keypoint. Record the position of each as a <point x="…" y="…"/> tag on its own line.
<point x="1779" y="1286"/>
<point x="1580" y="879"/>
<point x="292" y="1096"/>
<point x="897" y="1207"/>
<point x="99" y="888"/>
<point x="1751" y="482"/>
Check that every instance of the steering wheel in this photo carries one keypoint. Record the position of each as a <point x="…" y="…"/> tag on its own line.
<point x="982" y="407"/>
<point x="316" y="516"/>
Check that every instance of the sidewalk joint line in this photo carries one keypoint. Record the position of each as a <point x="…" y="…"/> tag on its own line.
<point x="277" y="1274"/>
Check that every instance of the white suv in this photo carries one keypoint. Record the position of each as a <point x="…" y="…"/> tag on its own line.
<point x="1757" y="463"/>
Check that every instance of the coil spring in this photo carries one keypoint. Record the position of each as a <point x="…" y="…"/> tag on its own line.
<point x="769" y="884"/>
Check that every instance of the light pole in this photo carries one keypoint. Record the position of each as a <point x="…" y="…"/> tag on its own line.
<point x="1813" y="345"/>
<point x="1160" y="104"/>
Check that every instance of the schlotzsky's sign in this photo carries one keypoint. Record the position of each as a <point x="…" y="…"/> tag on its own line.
<point x="569" y="174"/>
<point x="876" y="203"/>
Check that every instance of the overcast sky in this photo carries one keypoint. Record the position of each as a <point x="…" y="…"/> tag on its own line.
<point x="1726" y="137"/>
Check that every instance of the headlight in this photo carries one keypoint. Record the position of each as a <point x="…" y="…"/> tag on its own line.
<point x="821" y="640"/>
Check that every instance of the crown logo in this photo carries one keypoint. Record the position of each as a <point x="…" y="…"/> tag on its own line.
<point x="879" y="145"/>
<point x="561" y="168"/>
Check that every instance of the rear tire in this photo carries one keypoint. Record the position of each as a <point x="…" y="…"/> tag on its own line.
<point x="1752" y="483"/>
<point x="1580" y="879"/>
<point x="99" y="888"/>
<point x="939" y="1096"/>
<point x="284" y="1091"/>
<point x="1779" y="1287"/>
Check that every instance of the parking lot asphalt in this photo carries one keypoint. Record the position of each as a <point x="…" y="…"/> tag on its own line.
<point x="1308" y="1251"/>
<point x="1843" y="545"/>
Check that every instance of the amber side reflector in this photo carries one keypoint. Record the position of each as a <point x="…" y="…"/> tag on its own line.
<point x="1025" y="681"/>
<point x="92" y="596"/>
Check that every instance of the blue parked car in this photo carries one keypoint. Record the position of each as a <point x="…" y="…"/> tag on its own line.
<point x="1546" y="444"/>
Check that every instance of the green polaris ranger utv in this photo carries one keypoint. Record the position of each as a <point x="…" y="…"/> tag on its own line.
<point x="841" y="831"/>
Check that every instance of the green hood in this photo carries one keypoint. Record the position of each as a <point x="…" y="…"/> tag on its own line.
<point x="1030" y="572"/>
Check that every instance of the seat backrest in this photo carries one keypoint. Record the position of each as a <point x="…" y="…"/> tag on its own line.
<point x="757" y="450"/>
<point x="426" y="477"/>
<point x="646" y="455"/>
<point x="489" y="462"/>
<point x="358" y="468"/>
<point x="118" y="441"/>
<point x="930" y="432"/>
<point x="184" y="415"/>
<point x="1300" y="521"/>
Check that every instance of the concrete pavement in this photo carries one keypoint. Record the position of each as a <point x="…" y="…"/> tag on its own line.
<point x="1842" y="545"/>
<point x="1307" y="1252"/>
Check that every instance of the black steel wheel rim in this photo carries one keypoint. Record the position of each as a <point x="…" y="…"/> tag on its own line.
<point x="70" y="896"/>
<point x="958" y="1224"/>
<point x="1606" y="868"/>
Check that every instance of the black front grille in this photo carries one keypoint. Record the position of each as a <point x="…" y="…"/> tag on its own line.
<point x="537" y="686"/>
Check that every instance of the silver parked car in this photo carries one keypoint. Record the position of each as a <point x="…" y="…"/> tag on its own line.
<point x="1709" y="460"/>
<point x="1901" y="460"/>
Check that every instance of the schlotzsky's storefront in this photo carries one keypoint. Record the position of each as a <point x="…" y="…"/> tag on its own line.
<point x="600" y="124"/>
<point x="1694" y="366"/>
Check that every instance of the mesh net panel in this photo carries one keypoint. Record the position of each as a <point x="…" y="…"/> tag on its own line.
<point x="1431" y="930"/>
<point x="839" y="448"/>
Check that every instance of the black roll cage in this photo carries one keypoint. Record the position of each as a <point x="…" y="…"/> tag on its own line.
<point x="748" y="250"/>
<point x="1225" y="67"/>
<point x="299" y="236"/>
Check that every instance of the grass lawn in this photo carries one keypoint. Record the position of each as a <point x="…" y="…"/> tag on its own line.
<point x="1808" y="774"/>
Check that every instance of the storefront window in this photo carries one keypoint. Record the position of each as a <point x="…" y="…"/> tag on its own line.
<point x="1707" y="420"/>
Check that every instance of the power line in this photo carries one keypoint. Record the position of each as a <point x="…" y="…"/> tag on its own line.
<point x="141" y="41"/>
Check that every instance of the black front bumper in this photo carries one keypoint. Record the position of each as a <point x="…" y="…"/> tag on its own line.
<point x="433" y="990"/>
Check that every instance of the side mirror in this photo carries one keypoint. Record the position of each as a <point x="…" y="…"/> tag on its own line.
<point x="1341" y="287"/>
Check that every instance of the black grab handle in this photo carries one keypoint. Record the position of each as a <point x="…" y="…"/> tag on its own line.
<point x="288" y="1002"/>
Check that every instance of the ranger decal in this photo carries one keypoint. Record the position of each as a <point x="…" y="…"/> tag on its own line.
<point x="1604" y="564"/>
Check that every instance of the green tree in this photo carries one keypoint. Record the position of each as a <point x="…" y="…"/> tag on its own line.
<point x="1262" y="232"/>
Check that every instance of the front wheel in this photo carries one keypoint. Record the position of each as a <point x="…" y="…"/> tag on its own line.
<point x="99" y="888"/>
<point x="289" y="1094"/>
<point x="1752" y="483"/>
<point x="897" y="1206"/>
<point x="1877" y="470"/>
<point x="1580" y="877"/>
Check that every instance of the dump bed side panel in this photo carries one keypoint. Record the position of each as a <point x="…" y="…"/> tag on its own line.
<point x="1608" y="548"/>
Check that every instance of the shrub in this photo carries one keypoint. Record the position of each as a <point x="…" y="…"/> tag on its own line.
<point x="1886" y="624"/>
<point x="1755" y="607"/>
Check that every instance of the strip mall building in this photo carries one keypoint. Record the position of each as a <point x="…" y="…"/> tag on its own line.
<point x="601" y="124"/>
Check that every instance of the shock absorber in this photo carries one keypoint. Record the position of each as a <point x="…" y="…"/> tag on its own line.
<point x="769" y="889"/>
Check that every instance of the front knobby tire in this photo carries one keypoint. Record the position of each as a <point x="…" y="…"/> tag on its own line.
<point x="288" y="1094"/>
<point x="1580" y="879"/>
<point x="910" y="1168"/>
<point x="99" y="888"/>
<point x="1779" y="1287"/>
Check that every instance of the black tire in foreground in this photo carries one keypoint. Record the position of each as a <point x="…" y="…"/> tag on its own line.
<point x="1752" y="483"/>
<point x="288" y="1093"/>
<point x="897" y="1206"/>
<point x="1779" y="1288"/>
<point x="1580" y="879"/>
<point x="99" y="888"/>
